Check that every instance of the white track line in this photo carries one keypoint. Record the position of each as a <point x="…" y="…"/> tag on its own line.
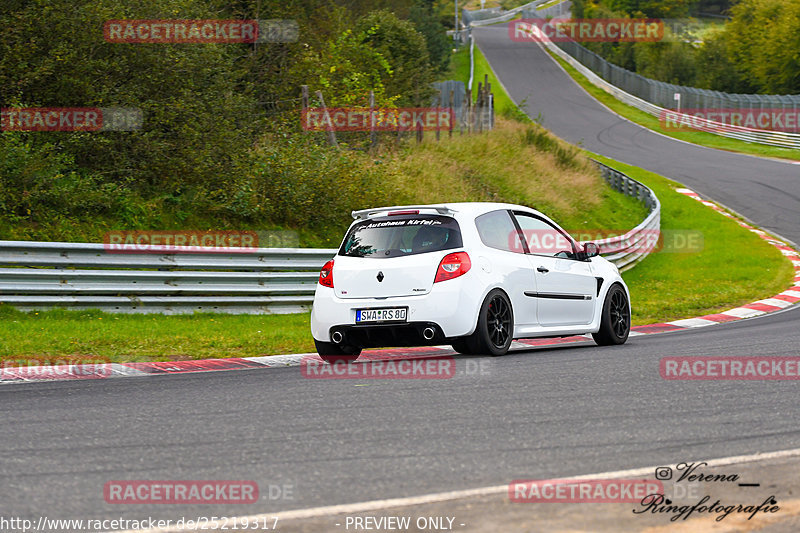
<point x="375" y="505"/>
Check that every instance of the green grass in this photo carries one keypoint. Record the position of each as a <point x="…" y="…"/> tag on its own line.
<point x="503" y="104"/>
<point x="696" y="137"/>
<point x="92" y="335"/>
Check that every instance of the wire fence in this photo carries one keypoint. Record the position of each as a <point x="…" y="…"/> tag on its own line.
<point x="662" y="94"/>
<point x="470" y="116"/>
<point x="765" y="119"/>
<point x="657" y="92"/>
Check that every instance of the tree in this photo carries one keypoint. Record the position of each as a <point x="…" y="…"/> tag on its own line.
<point x="423" y="17"/>
<point x="763" y="41"/>
<point x="405" y="50"/>
<point x="196" y="118"/>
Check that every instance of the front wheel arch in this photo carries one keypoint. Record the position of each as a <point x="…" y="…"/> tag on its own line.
<point x="615" y="317"/>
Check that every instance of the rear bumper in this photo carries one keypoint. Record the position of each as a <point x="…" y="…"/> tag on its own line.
<point x="451" y="308"/>
<point x="407" y="334"/>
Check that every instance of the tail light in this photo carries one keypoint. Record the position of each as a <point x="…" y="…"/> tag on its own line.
<point x="452" y="266"/>
<point x="326" y="275"/>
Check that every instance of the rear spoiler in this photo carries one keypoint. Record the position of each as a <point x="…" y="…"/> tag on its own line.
<point x="366" y="213"/>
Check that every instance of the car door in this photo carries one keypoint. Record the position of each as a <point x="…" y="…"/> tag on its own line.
<point x="506" y="262"/>
<point x="566" y="287"/>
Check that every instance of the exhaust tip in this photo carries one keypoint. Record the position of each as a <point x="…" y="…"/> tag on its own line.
<point x="428" y="333"/>
<point x="337" y="337"/>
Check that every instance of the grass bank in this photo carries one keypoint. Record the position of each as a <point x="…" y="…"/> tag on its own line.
<point x="61" y="335"/>
<point x="515" y="163"/>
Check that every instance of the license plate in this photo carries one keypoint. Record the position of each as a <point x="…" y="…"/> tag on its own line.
<point x="389" y="314"/>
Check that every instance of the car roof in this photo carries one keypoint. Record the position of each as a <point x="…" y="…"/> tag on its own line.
<point x="460" y="208"/>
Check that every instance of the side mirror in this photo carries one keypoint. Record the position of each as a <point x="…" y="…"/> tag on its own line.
<point x="590" y="249"/>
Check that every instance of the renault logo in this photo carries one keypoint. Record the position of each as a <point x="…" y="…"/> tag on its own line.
<point x="380" y="276"/>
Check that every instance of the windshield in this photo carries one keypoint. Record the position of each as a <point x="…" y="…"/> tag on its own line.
<point x="394" y="236"/>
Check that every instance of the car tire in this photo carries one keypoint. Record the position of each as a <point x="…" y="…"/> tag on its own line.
<point x="333" y="353"/>
<point x="495" y="329"/>
<point x="615" y="322"/>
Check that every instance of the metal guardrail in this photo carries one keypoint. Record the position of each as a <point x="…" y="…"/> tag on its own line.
<point x="485" y="17"/>
<point x="610" y="77"/>
<point x="627" y="250"/>
<point x="42" y="275"/>
<point x="468" y="16"/>
<point x="555" y="10"/>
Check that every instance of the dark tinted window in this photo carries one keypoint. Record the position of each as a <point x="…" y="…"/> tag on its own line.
<point x="497" y="230"/>
<point x="395" y="236"/>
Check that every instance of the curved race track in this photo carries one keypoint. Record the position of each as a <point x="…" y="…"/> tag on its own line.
<point x="548" y="412"/>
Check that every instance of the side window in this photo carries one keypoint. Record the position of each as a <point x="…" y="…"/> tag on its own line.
<point x="543" y="238"/>
<point x="497" y="231"/>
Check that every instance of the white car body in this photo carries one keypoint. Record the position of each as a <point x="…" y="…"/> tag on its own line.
<point x="549" y="295"/>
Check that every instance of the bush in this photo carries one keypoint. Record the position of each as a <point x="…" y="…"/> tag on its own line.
<point x="303" y="184"/>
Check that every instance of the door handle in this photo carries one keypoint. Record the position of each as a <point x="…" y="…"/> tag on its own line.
<point x="543" y="270"/>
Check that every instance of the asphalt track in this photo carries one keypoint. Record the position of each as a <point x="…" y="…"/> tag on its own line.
<point x="539" y="414"/>
<point x="547" y="412"/>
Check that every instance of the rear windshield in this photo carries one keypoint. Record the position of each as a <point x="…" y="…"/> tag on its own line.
<point x="396" y="236"/>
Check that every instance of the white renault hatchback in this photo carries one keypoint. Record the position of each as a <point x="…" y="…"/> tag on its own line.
<point x="471" y="275"/>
